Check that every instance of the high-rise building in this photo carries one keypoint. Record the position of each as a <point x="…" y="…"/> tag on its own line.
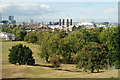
<point x="11" y="18"/>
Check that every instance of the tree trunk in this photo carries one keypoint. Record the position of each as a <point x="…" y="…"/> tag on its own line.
<point x="92" y="70"/>
<point x="46" y="59"/>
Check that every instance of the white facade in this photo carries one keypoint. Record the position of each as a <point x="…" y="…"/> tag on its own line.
<point x="86" y="24"/>
<point x="7" y="36"/>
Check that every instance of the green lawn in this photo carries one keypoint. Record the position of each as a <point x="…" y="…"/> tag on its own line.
<point x="7" y="45"/>
<point x="42" y="71"/>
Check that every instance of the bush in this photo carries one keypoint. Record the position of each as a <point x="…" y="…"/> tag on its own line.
<point x="31" y="37"/>
<point x="21" y="54"/>
<point x="55" y="60"/>
<point x="117" y="64"/>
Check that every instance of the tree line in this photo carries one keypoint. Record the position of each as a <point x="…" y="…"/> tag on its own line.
<point x="19" y="34"/>
<point x="91" y="49"/>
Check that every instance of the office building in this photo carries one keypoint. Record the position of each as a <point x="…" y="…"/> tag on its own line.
<point x="11" y="18"/>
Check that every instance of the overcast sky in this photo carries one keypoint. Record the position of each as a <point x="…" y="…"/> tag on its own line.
<point x="24" y="10"/>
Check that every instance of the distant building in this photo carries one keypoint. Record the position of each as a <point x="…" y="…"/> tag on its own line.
<point x="65" y="24"/>
<point x="7" y="36"/>
<point x="31" y="21"/>
<point x="105" y="23"/>
<point x="5" y="21"/>
<point x="86" y="24"/>
<point x="11" y="20"/>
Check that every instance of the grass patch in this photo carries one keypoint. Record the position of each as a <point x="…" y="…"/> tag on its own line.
<point x="7" y="45"/>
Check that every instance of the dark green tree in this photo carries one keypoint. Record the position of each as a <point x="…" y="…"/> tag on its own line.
<point x="45" y="47"/>
<point x="110" y="37"/>
<point x="21" y="54"/>
<point x="50" y="43"/>
<point x="93" y="57"/>
<point x="31" y="37"/>
<point x="89" y="35"/>
<point x="20" y="34"/>
<point x="117" y="42"/>
<point x="70" y="45"/>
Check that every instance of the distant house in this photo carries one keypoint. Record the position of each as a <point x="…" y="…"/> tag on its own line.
<point x="7" y="36"/>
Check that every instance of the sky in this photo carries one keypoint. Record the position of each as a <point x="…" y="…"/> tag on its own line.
<point x="46" y="11"/>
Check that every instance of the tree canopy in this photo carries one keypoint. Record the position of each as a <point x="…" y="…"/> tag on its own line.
<point x="93" y="56"/>
<point x="21" y="54"/>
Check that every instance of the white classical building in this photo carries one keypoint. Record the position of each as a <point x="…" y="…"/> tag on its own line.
<point x="7" y="36"/>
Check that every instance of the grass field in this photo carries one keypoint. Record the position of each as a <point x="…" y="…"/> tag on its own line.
<point x="43" y="70"/>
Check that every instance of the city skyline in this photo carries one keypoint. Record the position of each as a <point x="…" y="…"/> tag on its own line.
<point x="53" y="11"/>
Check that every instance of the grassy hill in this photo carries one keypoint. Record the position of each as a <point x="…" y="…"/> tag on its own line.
<point x="43" y="70"/>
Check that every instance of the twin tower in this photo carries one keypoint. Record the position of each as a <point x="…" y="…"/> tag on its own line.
<point x="63" y="22"/>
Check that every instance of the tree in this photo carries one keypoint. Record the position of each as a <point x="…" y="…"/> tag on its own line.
<point x="6" y="29"/>
<point x="21" y="54"/>
<point x="20" y="35"/>
<point x="70" y="45"/>
<point x="14" y="31"/>
<point x="31" y="37"/>
<point x="89" y="35"/>
<point x="93" y="57"/>
<point x="110" y="37"/>
<point x="45" y="47"/>
<point x="117" y="41"/>
<point x="39" y="35"/>
<point x="55" y="60"/>
<point x="50" y="44"/>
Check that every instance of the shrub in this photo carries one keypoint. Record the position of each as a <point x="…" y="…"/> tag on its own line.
<point x="55" y="60"/>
